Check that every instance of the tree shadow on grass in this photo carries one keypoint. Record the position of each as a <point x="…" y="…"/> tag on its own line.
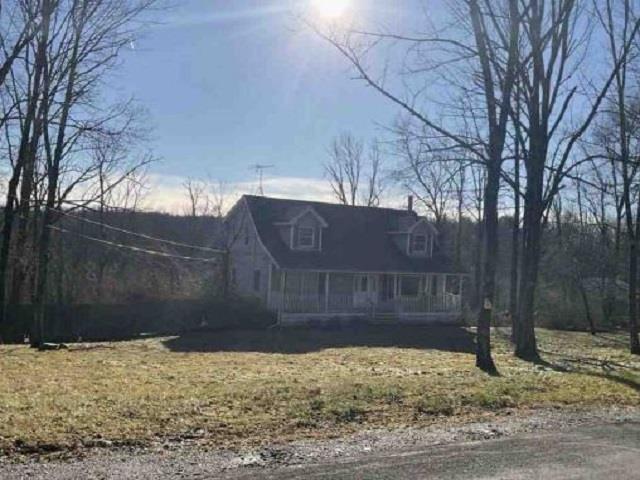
<point x="593" y="367"/>
<point x="306" y="340"/>
<point x="611" y="340"/>
<point x="586" y="365"/>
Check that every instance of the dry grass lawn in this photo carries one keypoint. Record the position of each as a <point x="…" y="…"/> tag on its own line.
<point x="240" y="388"/>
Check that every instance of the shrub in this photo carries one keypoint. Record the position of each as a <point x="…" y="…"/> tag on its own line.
<point x="106" y="322"/>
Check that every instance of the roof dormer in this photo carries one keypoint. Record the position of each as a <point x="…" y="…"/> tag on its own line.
<point x="415" y="236"/>
<point x="304" y="230"/>
<point x="421" y="238"/>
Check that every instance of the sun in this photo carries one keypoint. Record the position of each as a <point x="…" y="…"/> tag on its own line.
<point x="331" y="9"/>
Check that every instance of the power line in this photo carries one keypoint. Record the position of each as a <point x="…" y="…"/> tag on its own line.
<point x="131" y="247"/>
<point x="140" y="235"/>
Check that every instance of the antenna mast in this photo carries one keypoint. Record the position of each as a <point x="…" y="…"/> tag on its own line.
<point x="259" y="169"/>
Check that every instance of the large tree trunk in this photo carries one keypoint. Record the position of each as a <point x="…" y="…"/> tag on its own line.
<point x="23" y="154"/>
<point x="484" y="361"/>
<point x="634" y="344"/>
<point x="515" y="251"/>
<point x="535" y="161"/>
<point x="7" y="231"/>
<point x="23" y="257"/>
<point x="526" y="347"/>
<point x="54" y="155"/>
<point x="634" y="341"/>
<point x="40" y="297"/>
<point x="477" y="273"/>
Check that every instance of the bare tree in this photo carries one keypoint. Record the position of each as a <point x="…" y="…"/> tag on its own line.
<point x="220" y="197"/>
<point x="556" y="42"/>
<point x="198" y="201"/>
<point x="88" y="38"/>
<point x="206" y="197"/>
<point x="22" y="23"/>
<point x="426" y="171"/>
<point x="355" y="176"/>
<point x="487" y="61"/>
<point x="618" y="24"/>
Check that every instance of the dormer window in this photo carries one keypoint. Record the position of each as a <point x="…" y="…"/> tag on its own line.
<point x="303" y="231"/>
<point x="419" y="243"/>
<point x="306" y="237"/>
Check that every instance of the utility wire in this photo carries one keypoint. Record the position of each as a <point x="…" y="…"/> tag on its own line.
<point x="136" y="234"/>
<point x="131" y="247"/>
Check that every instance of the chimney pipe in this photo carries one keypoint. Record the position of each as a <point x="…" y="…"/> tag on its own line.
<point x="410" y="203"/>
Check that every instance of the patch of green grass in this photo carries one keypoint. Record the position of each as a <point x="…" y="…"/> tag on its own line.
<point x="346" y="413"/>
<point x="440" y="405"/>
<point x="143" y="390"/>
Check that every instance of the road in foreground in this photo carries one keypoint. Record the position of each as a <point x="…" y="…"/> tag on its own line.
<point x="603" y="451"/>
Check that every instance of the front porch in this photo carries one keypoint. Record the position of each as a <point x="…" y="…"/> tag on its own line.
<point x="329" y="294"/>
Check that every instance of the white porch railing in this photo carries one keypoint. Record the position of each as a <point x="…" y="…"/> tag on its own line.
<point x="346" y="303"/>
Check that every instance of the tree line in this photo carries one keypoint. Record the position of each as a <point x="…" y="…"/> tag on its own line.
<point x="66" y="142"/>
<point x="518" y="109"/>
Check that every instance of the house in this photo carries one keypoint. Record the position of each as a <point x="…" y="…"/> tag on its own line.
<point x="312" y="260"/>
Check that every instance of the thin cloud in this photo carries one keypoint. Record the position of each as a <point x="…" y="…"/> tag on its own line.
<point x="167" y="193"/>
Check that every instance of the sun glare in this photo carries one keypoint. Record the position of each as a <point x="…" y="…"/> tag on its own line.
<point x="331" y="9"/>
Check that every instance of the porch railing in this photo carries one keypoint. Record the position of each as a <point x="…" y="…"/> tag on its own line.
<point x="346" y="303"/>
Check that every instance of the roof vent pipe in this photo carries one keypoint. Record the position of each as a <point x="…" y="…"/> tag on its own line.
<point x="410" y="203"/>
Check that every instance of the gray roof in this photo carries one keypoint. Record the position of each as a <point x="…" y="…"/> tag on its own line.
<point x="356" y="239"/>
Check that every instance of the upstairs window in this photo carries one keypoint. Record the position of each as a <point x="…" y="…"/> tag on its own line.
<point x="306" y="237"/>
<point x="419" y="243"/>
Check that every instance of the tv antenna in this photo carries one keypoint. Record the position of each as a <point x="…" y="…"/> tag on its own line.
<point x="259" y="168"/>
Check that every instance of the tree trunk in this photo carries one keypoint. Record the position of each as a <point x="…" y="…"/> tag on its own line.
<point x="587" y="308"/>
<point x="477" y="291"/>
<point x="634" y="341"/>
<point x="458" y="246"/>
<point x="515" y="252"/>
<point x="5" y="249"/>
<point x="53" y="171"/>
<point x="484" y="361"/>
<point x="526" y="347"/>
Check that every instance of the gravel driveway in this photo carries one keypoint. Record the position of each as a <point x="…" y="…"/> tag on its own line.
<point x="487" y="449"/>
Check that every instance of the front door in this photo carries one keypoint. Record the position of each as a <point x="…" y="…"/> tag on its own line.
<point x="365" y="290"/>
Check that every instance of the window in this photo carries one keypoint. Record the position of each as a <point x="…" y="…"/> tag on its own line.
<point x="419" y="243"/>
<point x="306" y="237"/>
<point x="256" y="280"/>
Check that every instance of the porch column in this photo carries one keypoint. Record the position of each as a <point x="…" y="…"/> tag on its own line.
<point x="326" y="292"/>
<point x="460" y="282"/>
<point x="397" y="293"/>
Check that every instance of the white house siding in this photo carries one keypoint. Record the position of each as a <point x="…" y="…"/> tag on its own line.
<point x="247" y="255"/>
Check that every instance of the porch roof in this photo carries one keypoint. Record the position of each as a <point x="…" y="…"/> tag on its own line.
<point x="357" y="239"/>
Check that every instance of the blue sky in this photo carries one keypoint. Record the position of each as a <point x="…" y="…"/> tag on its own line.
<point x="230" y="83"/>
